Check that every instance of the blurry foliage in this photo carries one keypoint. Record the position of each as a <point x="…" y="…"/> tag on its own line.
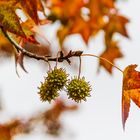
<point x="50" y="119"/>
<point x="84" y="17"/>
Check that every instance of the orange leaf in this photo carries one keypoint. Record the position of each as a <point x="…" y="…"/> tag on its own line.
<point x="6" y="47"/>
<point x="83" y="27"/>
<point x="70" y="9"/>
<point x="117" y="24"/>
<point x="111" y="54"/>
<point x="131" y="90"/>
<point x="39" y="5"/>
<point x="66" y="8"/>
<point x="100" y="7"/>
<point x="62" y="33"/>
<point x="4" y="133"/>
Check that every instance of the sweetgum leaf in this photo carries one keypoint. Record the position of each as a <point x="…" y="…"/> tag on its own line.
<point x="9" y="20"/>
<point x="66" y="8"/>
<point x="131" y="90"/>
<point x="117" y="24"/>
<point x="30" y="7"/>
<point x="100" y="7"/>
<point x="111" y="53"/>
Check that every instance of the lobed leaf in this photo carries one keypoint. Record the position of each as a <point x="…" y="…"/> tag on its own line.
<point x="9" y="20"/>
<point x="111" y="53"/>
<point x="30" y="7"/>
<point x="130" y="90"/>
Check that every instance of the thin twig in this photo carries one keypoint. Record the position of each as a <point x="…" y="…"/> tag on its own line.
<point x="80" y="63"/>
<point x="104" y="59"/>
<point x="50" y="68"/>
<point x="57" y="59"/>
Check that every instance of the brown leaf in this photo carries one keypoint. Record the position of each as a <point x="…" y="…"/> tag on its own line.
<point x="30" y="7"/>
<point x="10" y="129"/>
<point x="19" y="60"/>
<point x="34" y="48"/>
<point x="37" y="49"/>
<point x="131" y="90"/>
<point x="4" y="133"/>
<point x="52" y="116"/>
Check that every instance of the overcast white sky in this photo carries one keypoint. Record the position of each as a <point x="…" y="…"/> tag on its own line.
<point x="100" y="117"/>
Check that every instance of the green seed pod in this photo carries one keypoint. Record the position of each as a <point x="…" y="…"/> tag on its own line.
<point x="78" y="89"/>
<point x="57" y="78"/>
<point x="47" y="93"/>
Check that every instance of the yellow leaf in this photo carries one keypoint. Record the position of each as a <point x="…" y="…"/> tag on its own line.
<point x="9" y="20"/>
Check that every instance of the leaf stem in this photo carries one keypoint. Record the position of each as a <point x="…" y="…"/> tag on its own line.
<point x="80" y="63"/>
<point x="57" y="59"/>
<point x="104" y="59"/>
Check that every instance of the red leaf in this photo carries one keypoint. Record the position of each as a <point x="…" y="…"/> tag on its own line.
<point x="131" y="90"/>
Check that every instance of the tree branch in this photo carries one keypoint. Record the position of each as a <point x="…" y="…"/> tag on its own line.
<point x="19" y="48"/>
<point x="61" y="58"/>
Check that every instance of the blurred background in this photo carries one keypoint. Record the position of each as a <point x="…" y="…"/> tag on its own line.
<point x="100" y="116"/>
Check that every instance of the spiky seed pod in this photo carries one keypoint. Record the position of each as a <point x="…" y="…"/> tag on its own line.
<point x="47" y="93"/>
<point x="78" y="89"/>
<point x="57" y="78"/>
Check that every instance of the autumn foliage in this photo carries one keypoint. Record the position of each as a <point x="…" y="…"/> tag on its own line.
<point x="83" y="17"/>
<point x="86" y="18"/>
